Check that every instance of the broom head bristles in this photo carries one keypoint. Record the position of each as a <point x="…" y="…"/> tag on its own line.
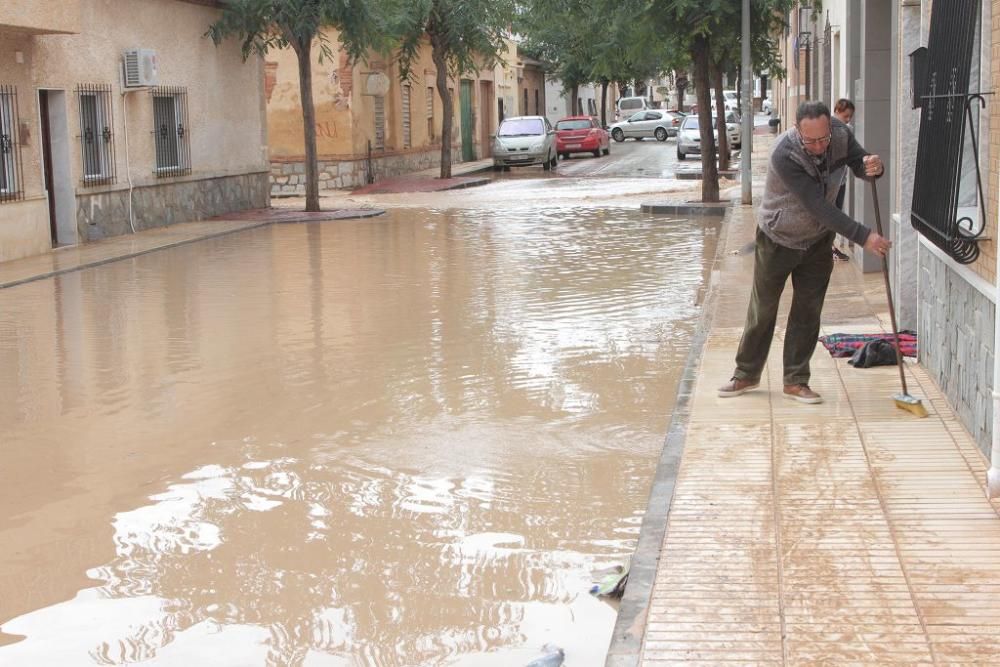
<point x="910" y="404"/>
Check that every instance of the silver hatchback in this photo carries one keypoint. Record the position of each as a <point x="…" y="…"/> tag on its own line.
<point x="689" y="136"/>
<point x="521" y="141"/>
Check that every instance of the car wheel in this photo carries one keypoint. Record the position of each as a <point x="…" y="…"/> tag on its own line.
<point x="597" y="153"/>
<point x="660" y="134"/>
<point x="548" y="163"/>
<point x="497" y="167"/>
<point x="618" y="135"/>
<point x="607" y="151"/>
<point x="680" y="156"/>
<point x="555" y="161"/>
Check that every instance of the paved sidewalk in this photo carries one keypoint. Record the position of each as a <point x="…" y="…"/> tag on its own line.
<point x="843" y="533"/>
<point x="95" y="253"/>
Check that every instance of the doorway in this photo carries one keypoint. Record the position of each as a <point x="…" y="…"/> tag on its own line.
<point x="56" y="167"/>
<point x="486" y="119"/>
<point x="465" y="100"/>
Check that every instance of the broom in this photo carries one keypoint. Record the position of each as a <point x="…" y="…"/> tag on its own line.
<point x="903" y="401"/>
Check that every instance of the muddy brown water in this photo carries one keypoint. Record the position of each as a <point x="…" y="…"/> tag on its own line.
<point x="401" y="441"/>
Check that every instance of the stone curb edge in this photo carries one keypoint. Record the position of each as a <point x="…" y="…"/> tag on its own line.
<point x="716" y="209"/>
<point x="626" y="641"/>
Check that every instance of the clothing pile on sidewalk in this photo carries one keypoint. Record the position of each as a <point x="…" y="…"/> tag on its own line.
<point x="866" y="350"/>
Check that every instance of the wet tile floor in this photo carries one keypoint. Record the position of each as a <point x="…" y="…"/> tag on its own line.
<point x="849" y="532"/>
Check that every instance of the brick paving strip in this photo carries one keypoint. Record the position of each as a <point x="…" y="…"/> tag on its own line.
<point x="848" y="532"/>
<point x="75" y="258"/>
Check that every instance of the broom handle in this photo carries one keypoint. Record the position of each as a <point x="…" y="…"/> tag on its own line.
<point x="888" y="292"/>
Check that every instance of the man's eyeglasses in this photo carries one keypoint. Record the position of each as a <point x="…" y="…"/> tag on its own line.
<point x="813" y="142"/>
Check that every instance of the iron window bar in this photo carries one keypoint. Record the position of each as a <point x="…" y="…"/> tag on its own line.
<point x="11" y="171"/>
<point x="171" y="131"/>
<point x="97" y="134"/>
<point x="941" y="73"/>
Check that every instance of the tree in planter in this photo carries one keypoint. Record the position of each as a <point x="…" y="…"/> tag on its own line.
<point x="262" y="25"/>
<point x="465" y="36"/>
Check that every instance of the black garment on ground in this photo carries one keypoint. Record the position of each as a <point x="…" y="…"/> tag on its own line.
<point x="874" y="353"/>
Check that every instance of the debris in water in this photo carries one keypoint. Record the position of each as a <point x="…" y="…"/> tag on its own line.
<point x="612" y="583"/>
<point x="552" y="656"/>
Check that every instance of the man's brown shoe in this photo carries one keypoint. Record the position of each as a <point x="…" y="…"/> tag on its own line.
<point x="736" y="387"/>
<point x="802" y="393"/>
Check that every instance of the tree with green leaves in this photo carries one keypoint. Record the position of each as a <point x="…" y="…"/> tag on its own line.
<point x="465" y="36"/>
<point x="700" y="28"/>
<point x="262" y="25"/>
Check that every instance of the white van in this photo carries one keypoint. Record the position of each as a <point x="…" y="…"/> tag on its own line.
<point x="626" y="106"/>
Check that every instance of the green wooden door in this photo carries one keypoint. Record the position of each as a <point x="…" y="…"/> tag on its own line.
<point x="468" y="150"/>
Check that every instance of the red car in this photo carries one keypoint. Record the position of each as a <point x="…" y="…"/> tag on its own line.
<point x="581" y="134"/>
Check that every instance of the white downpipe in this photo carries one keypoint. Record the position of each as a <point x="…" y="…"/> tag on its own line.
<point x="128" y="164"/>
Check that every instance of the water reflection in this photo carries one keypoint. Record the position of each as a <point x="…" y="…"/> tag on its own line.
<point x="395" y="443"/>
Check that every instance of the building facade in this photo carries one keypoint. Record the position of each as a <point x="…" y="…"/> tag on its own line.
<point x="370" y="124"/>
<point x="85" y="157"/>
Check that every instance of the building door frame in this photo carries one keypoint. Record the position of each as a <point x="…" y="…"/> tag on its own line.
<point x="486" y="119"/>
<point x="56" y="169"/>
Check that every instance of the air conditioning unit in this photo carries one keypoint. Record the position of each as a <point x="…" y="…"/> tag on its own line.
<point x="140" y="68"/>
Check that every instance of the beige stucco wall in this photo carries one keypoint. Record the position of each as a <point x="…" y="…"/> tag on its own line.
<point x="40" y="16"/>
<point x="24" y="228"/>
<point x="226" y="115"/>
<point x="345" y="118"/>
<point x="223" y="92"/>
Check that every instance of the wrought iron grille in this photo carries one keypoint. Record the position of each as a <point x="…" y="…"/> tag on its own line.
<point x="97" y="133"/>
<point x="171" y="131"/>
<point x="945" y="117"/>
<point x="11" y="175"/>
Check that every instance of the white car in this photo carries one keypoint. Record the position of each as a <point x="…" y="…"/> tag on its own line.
<point x="649" y="123"/>
<point x="689" y="137"/>
<point x="522" y="141"/>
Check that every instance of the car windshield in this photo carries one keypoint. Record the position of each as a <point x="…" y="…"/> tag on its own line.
<point x="691" y="123"/>
<point x="730" y="95"/>
<point x="578" y="124"/>
<point x="521" y="127"/>
<point x="630" y="104"/>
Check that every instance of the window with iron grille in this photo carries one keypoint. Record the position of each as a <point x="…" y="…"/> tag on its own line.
<point x="10" y="149"/>
<point x="171" y="131"/>
<point x="430" y="112"/>
<point x="379" y="123"/>
<point x="407" y="135"/>
<point x="97" y="133"/>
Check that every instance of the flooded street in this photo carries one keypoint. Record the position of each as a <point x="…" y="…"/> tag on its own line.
<point x="408" y="440"/>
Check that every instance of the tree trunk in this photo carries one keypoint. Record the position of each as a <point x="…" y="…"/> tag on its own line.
<point x="709" y="174"/>
<point x="574" y="92"/>
<point x="447" y="108"/>
<point x="720" y="117"/>
<point x="604" y="102"/>
<point x="681" y="79"/>
<point x="303" y="50"/>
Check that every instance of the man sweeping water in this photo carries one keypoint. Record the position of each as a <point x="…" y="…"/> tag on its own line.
<point x="796" y="225"/>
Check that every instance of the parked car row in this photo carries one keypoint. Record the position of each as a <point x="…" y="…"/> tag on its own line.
<point x="523" y="141"/>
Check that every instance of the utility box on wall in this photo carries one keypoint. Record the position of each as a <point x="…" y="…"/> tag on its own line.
<point x="140" y="69"/>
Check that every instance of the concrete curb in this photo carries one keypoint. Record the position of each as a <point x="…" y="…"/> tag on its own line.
<point x="626" y="640"/>
<point x="347" y="214"/>
<point x="687" y="208"/>
<point x="351" y="214"/>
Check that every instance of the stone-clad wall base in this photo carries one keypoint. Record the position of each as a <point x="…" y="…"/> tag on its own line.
<point x="289" y="178"/>
<point x="104" y="214"/>
<point x="956" y="343"/>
